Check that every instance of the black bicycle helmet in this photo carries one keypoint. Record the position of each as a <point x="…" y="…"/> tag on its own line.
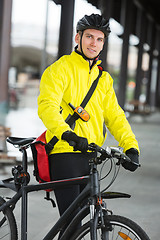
<point x="94" y="21"/>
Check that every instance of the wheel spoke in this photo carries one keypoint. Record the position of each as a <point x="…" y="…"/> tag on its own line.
<point x="117" y="228"/>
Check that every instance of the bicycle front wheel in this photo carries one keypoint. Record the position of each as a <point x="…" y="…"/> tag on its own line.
<point x="116" y="228"/>
<point x="8" y="227"/>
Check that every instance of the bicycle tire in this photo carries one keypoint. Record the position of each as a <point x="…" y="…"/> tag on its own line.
<point x="119" y="228"/>
<point x="8" y="226"/>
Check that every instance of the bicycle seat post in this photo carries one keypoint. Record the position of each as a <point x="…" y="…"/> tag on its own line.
<point x="24" y="159"/>
<point x="24" y="198"/>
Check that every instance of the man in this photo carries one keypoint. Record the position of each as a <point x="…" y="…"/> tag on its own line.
<point x="68" y="81"/>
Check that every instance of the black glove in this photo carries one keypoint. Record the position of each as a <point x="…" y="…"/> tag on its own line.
<point x="132" y="153"/>
<point x="79" y="143"/>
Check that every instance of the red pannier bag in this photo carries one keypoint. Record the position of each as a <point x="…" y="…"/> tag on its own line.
<point x="41" y="161"/>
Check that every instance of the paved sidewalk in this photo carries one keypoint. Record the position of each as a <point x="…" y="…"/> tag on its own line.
<point x="143" y="185"/>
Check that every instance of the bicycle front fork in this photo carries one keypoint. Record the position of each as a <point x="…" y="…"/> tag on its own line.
<point x="98" y="226"/>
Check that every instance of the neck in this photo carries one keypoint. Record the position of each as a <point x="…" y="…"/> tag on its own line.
<point x="91" y="62"/>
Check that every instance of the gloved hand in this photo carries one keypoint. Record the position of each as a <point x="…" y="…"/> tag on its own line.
<point x="132" y="153"/>
<point x="81" y="143"/>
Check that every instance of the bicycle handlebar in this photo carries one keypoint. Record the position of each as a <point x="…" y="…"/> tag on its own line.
<point x="111" y="152"/>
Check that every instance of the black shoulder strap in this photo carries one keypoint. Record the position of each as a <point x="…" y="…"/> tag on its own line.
<point x="49" y="146"/>
<point x="91" y="90"/>
<point x="75" y="116"/>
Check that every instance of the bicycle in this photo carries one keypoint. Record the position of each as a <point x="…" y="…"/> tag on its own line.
<point x="102" y="224"/>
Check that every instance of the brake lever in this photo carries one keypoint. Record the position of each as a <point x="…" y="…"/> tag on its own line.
<point x="124" y="158"/>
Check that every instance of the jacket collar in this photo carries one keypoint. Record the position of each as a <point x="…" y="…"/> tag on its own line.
<point x="95" y="62"/>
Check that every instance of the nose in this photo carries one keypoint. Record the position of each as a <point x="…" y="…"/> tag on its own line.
<point x="93" y="43"/>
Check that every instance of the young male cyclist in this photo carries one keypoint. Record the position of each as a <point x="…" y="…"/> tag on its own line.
<point x="68" y="81"/>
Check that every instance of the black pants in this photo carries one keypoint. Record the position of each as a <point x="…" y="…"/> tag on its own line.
<point x="68" y="165"/>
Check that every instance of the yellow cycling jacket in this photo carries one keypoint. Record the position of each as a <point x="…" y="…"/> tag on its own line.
<point x="68" y="81"/>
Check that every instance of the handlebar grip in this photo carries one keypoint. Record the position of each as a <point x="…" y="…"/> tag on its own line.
<point x="127" y="159"/>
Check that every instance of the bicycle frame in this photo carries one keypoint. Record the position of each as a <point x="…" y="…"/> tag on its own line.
<point x="91" y="194"/>
<point x="91" y="190"/>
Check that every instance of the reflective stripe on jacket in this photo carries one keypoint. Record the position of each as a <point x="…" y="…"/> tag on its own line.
<point x="68" y="81"/>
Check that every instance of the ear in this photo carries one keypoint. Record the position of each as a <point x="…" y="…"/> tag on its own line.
<point x="77" y="38"/>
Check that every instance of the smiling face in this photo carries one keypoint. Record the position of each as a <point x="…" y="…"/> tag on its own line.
<point x="92" y="42"/>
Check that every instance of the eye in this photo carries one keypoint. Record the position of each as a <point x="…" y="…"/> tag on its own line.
<point x="100" y="40"/>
